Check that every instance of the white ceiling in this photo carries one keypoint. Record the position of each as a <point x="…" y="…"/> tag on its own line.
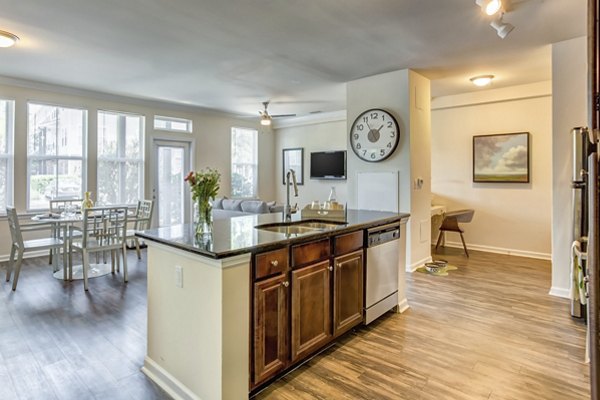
<point x="231" y="55"/>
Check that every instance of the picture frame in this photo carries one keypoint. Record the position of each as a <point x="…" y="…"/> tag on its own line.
<point x="294" y="159"/>
<point x="501" y="158"/>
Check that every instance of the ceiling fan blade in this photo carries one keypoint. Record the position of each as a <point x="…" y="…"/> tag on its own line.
<point x="283" y="115"/>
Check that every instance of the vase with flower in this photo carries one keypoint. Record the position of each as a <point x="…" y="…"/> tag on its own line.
<point x="204" y="185"/>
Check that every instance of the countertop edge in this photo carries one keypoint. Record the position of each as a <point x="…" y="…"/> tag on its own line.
<point x="277" y="243"/>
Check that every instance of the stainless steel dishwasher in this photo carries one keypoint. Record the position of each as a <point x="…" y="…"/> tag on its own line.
<point x="383" y="267"/>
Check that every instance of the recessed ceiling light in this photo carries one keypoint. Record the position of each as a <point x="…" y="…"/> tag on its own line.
<point x="8" y="39"/>
<point x="482" y="80"/>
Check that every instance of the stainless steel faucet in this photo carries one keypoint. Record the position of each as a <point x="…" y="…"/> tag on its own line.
<point x="288" y="210"/>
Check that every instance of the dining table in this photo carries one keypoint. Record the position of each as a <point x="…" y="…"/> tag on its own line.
<point x="59" y="221"/>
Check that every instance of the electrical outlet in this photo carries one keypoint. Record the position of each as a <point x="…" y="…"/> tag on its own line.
<point x="178" y="276"/>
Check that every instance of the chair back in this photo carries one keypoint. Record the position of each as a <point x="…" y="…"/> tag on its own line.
<point x="104" y="224"/>
<point x="13" y="225"/>
<point x="58" y="206"/>
<point x="452" y="218"/>
<point x="143" y="214"/>
<point x="463" y="216"/>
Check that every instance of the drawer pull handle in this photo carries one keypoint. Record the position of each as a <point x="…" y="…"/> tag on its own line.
<point x="285" y="283"/>
<point x="274" y="263"/>
<point x="331" y="267"/>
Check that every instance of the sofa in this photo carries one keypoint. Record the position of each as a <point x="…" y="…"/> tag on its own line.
<point x="223" y="207"/>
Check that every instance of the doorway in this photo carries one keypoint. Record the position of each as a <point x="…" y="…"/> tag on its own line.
<point x="172" y="162"/>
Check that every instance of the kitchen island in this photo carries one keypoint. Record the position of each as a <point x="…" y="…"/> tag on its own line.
<point x="218" y="317"/>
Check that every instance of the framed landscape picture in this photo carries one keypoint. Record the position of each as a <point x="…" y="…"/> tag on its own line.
<point x="501" y="158"/>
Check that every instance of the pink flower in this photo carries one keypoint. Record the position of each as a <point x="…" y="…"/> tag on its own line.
<point x="190" y="178"/>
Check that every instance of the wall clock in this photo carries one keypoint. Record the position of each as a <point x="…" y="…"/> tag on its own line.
<point x="374" y="135"/>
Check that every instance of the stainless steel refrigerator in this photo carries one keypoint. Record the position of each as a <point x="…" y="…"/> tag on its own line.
<point x="593" y="248"/>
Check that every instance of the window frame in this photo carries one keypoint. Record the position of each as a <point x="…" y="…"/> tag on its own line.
<point x="83" y="158"/>
<point x="188" y="122"/>
<point x="255" y="164"/>
<point x="9" y="155"/>
<point x="121" y="143"/>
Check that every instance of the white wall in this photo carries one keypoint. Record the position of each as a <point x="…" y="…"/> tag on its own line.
<point x="312" y="136"/>
<point x="512" y="218"/>
<point x="569" y="109"/>
<point x="407" y="95"/>
<point x="211" y="137"/>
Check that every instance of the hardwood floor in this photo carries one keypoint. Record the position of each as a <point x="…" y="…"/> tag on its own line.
<point x="57" y="342"/>
<point x="488" y="331"/>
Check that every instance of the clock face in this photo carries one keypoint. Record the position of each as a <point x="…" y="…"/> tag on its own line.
<point x="374" y="135"/>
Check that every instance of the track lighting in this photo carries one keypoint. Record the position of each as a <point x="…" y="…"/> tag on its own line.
<point x="490" y="7"/>
<point x="502" y="28"/>
<point x="495" y="9"/>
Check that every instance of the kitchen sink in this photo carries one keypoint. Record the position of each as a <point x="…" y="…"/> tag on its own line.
<point x="299" y="227"/>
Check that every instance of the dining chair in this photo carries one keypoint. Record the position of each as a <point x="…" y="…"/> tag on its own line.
<point x="142" y="220"/>
<point x="103" y="229"/>
<point x="20" y="246"/>
<point x="450" y="224"/>
<point x="57" y="207"/>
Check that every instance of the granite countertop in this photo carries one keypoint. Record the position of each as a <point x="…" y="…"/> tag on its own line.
<point x="238" y="235"/>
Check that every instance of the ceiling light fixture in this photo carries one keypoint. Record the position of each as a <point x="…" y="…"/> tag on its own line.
<point x="8" y="39"/>
<point x="265" y="120"/>
<point x="482" y="80"/>
<point x="490" y="7"/>
<point x="502" y="28"/>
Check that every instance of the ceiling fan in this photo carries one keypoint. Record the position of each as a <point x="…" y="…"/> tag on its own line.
<point x="266" y="118"/>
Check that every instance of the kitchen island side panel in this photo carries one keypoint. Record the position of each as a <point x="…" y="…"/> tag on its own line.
<point x="196" y="333"/>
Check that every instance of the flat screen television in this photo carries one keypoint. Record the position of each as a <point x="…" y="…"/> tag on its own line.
<point x="328" y="165"/>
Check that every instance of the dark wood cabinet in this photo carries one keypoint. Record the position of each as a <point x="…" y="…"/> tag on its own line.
<point x="303" y="296"/>
<point x="347" y="292"/>
<point x="270" y="327"/>
<point x="311" y="309"/>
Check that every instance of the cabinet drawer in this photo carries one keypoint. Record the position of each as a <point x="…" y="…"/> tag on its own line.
<point x="310" y="252"/>
<point x="348" y="243"/>
<point x="271" y="263"/>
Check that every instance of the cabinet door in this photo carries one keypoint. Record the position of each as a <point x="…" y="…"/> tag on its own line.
<point x="347" y="292"/>
<point x="311" y="315"/>
<point x="270" y="327"/>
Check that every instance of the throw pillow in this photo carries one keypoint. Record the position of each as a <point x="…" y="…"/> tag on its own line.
<point x="233" y="205"/>
<point x="255" y="207"/>
<point x="218" y="202"/>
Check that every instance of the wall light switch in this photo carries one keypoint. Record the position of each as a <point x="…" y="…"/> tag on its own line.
<point x="178" y="276"/>
<point x="418" y="183"/>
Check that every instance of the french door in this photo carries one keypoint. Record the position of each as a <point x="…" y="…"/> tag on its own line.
<point x="172" y="162"/>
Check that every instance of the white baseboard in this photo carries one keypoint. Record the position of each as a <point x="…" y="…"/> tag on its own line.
<point x="166" y="381"/>
<point x="28" y="254"/>
<point x="559" y="292"/>
<point x="403" y="305"/>
<point x="413" y="267"/>
<point x="501" y="250"/>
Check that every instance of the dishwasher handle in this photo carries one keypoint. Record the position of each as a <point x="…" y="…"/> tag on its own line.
<point x="378" y="238"/>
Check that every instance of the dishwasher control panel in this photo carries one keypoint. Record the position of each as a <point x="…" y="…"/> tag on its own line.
<point x="383" y="235"/>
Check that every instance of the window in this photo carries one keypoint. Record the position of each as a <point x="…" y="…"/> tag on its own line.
<point x="244" y="164"/>
<point x="7" y="127"/>
<point x="120" y="158"/>
<point x="55" y="153"/>
<point x="172" y="124"/>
